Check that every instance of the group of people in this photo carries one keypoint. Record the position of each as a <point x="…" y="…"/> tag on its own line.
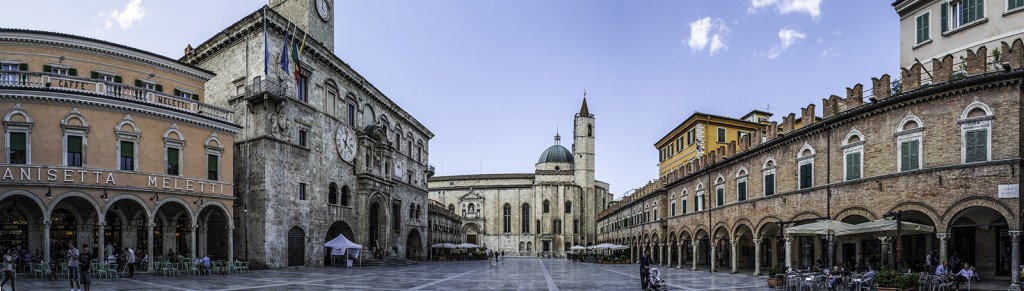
<point x="963" y="274"/>
<point x="80" y="263"/>
<point x="493" y="257"/>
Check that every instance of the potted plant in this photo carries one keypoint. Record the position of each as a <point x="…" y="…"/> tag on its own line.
<point x="775" y="279"/>
<point x="896" y="281"/>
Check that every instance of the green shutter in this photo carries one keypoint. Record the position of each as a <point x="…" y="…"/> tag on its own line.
<point x="47" y="69"/>
<point x="982" y="144"/>
<point x="915" y="149"/>
<point x="944" y="15"/>
<point x="177" y="92"/>
<point x="856" y="168"/>
<point x="970" y="146"/>
<point x="159" y="88"/>
<point x="94" y="75"/>
<point x="117" y="79"/>
<point x="904" y="156"/>
<point x="127" y="149"/>
<point x="74" y="144"/>
<point x="211" y="162"/>
<point x="17" y="141"/>
<point x="172" y="156"/>
<point x="138" y="83"/>
<point x="22" y="67"/>
<point x="849" y="167"/>
<point x="72" y="72"/>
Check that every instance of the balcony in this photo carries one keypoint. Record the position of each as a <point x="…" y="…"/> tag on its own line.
<point x="260" y="90"/>
<point x="17" y="79"/>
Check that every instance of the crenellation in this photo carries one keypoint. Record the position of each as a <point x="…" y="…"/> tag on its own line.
<point x="788" y="123"/>
<point x="1014" y="55"/>
<point x="881" y="87"/>
<point x="731" y="149"/>
<point x="977" y="62"/>
<point x="854" y="96"/>
<point x="807" y="115"/>
<point x="942" y="69"/>
<point x="910" y="78"/>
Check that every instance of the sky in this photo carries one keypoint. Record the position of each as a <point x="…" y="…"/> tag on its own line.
<point x="496" y="80"/>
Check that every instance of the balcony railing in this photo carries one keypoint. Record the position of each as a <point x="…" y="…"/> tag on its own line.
<point x="272" y="90"/>
<point x="19" y="79"/>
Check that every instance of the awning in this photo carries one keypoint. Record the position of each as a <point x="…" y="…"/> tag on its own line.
<point x="887" y="226"/>
<point x="467" y="246"/>
<point x="824" y="227"/>
<point x="618" y="247"/>
<point x="577" y="248"/>
<point x="341" y="245"/>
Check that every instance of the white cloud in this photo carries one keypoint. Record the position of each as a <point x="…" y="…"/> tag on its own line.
<point x="708" y="33"/>
<point x="787" y="37"/>
<point x="810" y="7"/>
<point x="131" y="13"/>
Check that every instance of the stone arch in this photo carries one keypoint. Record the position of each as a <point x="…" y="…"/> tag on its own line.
<point x="907" y="119"/>
<point x="805" y="151"/>
<point x="989" y="202"/>
<point x="685" y="234"/>
<point x="174" y="129"/>
<point x="853" y="133"/>
<point x="215" y="204"/>
<point x="127" y="121"/>
<point x="108" y="204"/>
<point x="17" y="110"/>
<point x="741" y="172"/>
<point x="806" y="215"/>
<point x="74" y="115"/>
<point x="855" y="210"/>
<point x="31" y="196"/>
<point x="701" y="231"/>
<point x="719" y="179"/>
<point x="923" y="208"/>
<point x="976" y="104"/>
<point x="739" y="223"/>
<point x="721" y="228"/>
<point x="213" y="141"/>
<point x="56" y="200"/>
<point x="188" y="210"/>
<point x="769" y="162"/>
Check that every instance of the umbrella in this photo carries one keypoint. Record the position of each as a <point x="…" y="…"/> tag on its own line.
<point x="604" y="246"/>
<point x="618" y="247"/>
<point x="577" y="248"/>
<point x="887" y="225"/>
<point x="467" y="246"/>
<point x="820" y="227"/>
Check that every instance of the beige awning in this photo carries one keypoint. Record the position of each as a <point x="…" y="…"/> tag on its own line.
<point x="887" y="226"/>
<point x="823" y="227"/>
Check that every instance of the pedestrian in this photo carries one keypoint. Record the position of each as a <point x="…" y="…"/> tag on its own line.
<point x="502" y="255"/>
<point x="72" y="255"/>
<point x="85" y="261"/>
<point x="130" y="261"/>
<point x="929" y="261"/>
<point x="645" y="269"/>
<point x="8" y="269"/>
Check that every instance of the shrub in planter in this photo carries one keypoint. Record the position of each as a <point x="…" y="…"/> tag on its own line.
<point x="892" y="280"/>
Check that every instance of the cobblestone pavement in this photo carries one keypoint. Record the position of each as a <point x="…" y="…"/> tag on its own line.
<point x="511" y="274"/>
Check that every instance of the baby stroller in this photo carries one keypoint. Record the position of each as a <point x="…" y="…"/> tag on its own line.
<point x="655" y="283"/>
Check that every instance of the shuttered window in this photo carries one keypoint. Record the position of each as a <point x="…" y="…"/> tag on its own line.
<point x="127" y="156"/>
<point x="17" y="152"/>
<point x="944" y="17"/>
<point x="172" y="161"/>
<point x="910" y="155"/>
<point x="853" y="166"/>
<point x="682" y="206"/>
<point x="769" y="184"/>
<point x="741" y="190"/>
<point x="74" y="154"/>
<point x="1014" y="4"/>
<point x="976" y="145"/>
<point x="719" y="197"/>
<point x="212" y="166"/>
<point x="922" y="27"/>
<point x="806" y="176"/>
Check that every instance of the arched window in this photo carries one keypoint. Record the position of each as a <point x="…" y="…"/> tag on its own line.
<point x="576" y="226"/>
<point x="768" y="172"/>
<point x="568" y="207"/>
<point x="741" y="184"/>
<point x="719" y="191"/>
<point x="345" y="196"/>
<point x="507" y="212"/>
<point x="472" y="208"/>
<point x="332" y="194"/>
<point x="853" y="155"/>
<point x="412" y="211"/>
<point x="526" y="218"/>
<point x="805" y="166"/>
<point x="547" y="206"/>
<point x="976" y="133"/>
<point x="909" y="136"/>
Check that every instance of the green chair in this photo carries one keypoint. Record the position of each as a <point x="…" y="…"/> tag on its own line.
<point x="191" y="268"/>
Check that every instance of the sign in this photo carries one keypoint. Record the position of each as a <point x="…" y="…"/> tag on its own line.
<point x="1009" y="191"/>
<point x="102" y="177"/>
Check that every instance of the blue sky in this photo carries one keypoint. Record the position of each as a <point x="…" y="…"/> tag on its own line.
<point x="494" y="79"/>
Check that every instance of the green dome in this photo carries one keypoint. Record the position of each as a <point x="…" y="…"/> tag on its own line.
<point x="556" y="154"/>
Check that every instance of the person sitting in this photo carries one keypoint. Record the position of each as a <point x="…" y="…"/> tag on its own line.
<point x="866" y="280"/>
<point x="206" y="262"/>
<point x="835" y="277"/>
<point x="965" y="274"/>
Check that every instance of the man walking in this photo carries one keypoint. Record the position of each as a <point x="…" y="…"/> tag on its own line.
<point x="131" y="261"/>
<point x="72" y="255"/>
<point x="645" y="269"/>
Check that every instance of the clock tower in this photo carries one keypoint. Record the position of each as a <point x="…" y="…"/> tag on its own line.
<point x="315" y="17"/>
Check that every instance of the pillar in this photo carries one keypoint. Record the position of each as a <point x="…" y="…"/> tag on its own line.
<point x="943" y="238"/>
<point x="1015" y="260"/>
<point x="885" y="251"/>
<point x="757" y="256"/>
<point x="231" y="243"/>
<point x="695" y="245"/>
<point x="733" y="254"/>
<point x="831" y="252"/>
<point x="859" y="256"/>
<point x="46" y="241"/>
<point x="149" y="246"/>
<point x="102" y="225"/>
<point x="668" y="261"/>
<point x="192" y="241"/>
<point x="664" y="255"/>
<point x="789" y="252"/>
<point x="680" y="254"/>
<point x="774" y="245"/>
<point x="714" y="258"/>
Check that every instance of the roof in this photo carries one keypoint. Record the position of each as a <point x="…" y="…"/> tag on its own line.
<point x="697" y="114"/>
<point x="482" y="177"/>
<point x="755" y="111"/>
<point x="584" y="111"/>
<point x="555" y="154"/>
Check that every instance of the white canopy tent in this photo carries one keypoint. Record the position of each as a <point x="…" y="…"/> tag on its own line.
<point x="886" y="225"/>
<point x="467" y="246"/>
<point x="577" y="248"/>
<point x="341" y="246"/>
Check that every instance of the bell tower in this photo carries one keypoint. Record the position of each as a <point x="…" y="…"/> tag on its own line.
<point x="583" y="147"/>
<point x="315" y="17"/>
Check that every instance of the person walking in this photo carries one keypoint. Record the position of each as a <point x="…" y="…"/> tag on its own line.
<point x="85" y="261"/>
<point x="645" y="269"/>
<point x="71" y="256"/>
<point x="8" y="269"/>
<point x="130" y="260"/>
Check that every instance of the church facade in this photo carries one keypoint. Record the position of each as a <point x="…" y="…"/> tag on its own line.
<point x="542" y="213"/>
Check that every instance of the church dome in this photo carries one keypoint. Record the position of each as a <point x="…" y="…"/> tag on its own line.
<point x="556" y="154"/>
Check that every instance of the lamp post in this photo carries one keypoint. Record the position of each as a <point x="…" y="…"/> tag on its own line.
<point x="899" y="239"/>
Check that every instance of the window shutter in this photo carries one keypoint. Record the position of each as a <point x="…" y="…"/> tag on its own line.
<point x="982" y="139"/>
<point x="172" y="156"/>
<point x="74" y="144"/>
<point x="138" y="83"/>
<point x="849" y="166"/>
<point x="73" y="72"/>
<point x="117" y="79"/>
<point x="856" y="168"/>
<point x="970" y="146"/>
<point x="212" y="162"/>
<point x="944" y="15"/>
<point x="47" y="69"/>
<point x="127" y="149"/>
<point x="159" y="88"/>
<point x="94" y="75"/>
<point x="914" y="154"/>
<point x="904" y="154"/>
<point x="177" y="92"/>
<point x="22" y="67"/>
<point x="17" y="141"/>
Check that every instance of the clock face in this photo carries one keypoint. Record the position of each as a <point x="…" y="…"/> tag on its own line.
<point x="323" y="9"/>
<point x="346" y="140"/>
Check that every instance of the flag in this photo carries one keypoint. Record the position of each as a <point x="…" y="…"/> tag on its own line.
<point x="284" y="51"/>
<point x="266" y="47"/>
<point x="295" y="58"/>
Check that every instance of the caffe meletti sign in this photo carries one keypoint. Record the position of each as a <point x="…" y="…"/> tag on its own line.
<point x="92" y="177"/>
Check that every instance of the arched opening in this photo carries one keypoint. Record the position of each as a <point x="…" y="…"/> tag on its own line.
<point x="20" y="219"/>
<point x="471" y="230"/>
<point x="848" y="245"/>
<point x="414" y="246"/>
<point x="745" y="248"/>
<point x="337" y="228"/>
<point x="345" y="196"/>
<point x="173" y="231"/>
<point x="125" y="227"/>
<point x="296" y="247"/>
<point x="71" y="220"/>
<point x="332" y="194"/>
<point x="212" y="236"/>
<point x="979" y="236"/>
<point x="374" y="228"/>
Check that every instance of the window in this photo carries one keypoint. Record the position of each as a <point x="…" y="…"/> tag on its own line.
<point x="853" y="169"/>
<point x="105" y="77"/>
<point x="332" y="194"/>
<point x="769" y="177"/>
<point x="17" y="148"/>
<point x="1014" y="4"/>
<point x="568" y="207"/>
<point x="127" y="160"/>
<point x="805" y="165"/>
<point x="173" y="161"/>
<point x="682" y="205"/>
<point x="575" y="226"/>
<point x="922" y="28"/>
<point x="719" y="196"/>
<point x="806" y="175"/>
<point x="149" y="85"/>
<point x="352" y="114"/>
<point x="303" y="86"/>
<point x="526" y="218"/>
<point x="396" y="222"/>
<point x="910" y="153"/>
<point x="672" y="206"/>
<point x="853" y="155"/>
<point x="547" y="206"/>
<point x="699" y="204"/>
<point x="741" y="189"/>
<point x="212" y="166"/>
<point x="60" y="70"/>
<point x="721" y="134"/>
<point x="957" y="14"/>
<point x="689" y="137"/>
<point x="507" y="212"/>
<point x="302" y="138"/>
<point x="975" y="127"/>
<point x="74" y="151"/>
<point x="908" y="141"/>
<point x="186" y="95"/>
<point x="538" y="226"/>
<point x="302" y="191"/>
<point x="9" y="78"/>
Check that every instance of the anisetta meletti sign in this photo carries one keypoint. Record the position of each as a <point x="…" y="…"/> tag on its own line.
<point x="97" y="177"/>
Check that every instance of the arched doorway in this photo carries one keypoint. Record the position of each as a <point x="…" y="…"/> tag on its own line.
<point x="16" y="212"/>
<point x="979" y="235"/>
<point x="336" y="229"/>
<point x="212" y="238"/>
<point x="414" y="246"/>
<point x="296" y="247"/>
<point x="375" y="224"/>
<point x="471" y="230"/>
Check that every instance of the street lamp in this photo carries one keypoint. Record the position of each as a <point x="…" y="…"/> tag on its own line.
<point x="899" y="232"/>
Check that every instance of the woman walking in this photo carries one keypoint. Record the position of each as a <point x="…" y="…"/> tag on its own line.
<point x="8" y="268"/>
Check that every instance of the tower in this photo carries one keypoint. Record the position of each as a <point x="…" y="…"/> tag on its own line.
<point x="583" y="147"/>
<point x="315" y="17"/>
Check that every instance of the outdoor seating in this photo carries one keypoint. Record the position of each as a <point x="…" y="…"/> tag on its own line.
<point x="240" y="267"/>
<point x="109" y="270"/>
<point x="37" y="270"/>
<point x="192" y="268"/>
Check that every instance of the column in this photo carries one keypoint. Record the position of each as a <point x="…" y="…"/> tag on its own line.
<point x="733" y="254"/>
<point x="774" y="245"/>
<point x="632" y="251"/>
<point x="1015" y="260"/>
<point x="102" y="225"/>
<point x="714" y="258"/>
<point x="664" y="255"/>
<point x="680" y="254"/>
<point x="789" y="252"/>
<point x="831" y="252"/>
<point x="943" y="238"/>
<point x="668" y="260"/>
<point x="695" y="245"/>
<point x="149" y="246"/>
<point x="231" y="243"/>
<point x="192" y="242"/>
<point x="885" y="251"/>
<point x="859" y="255"/>
<point x="757" y="256"/>
<point x="46" y="241"/>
